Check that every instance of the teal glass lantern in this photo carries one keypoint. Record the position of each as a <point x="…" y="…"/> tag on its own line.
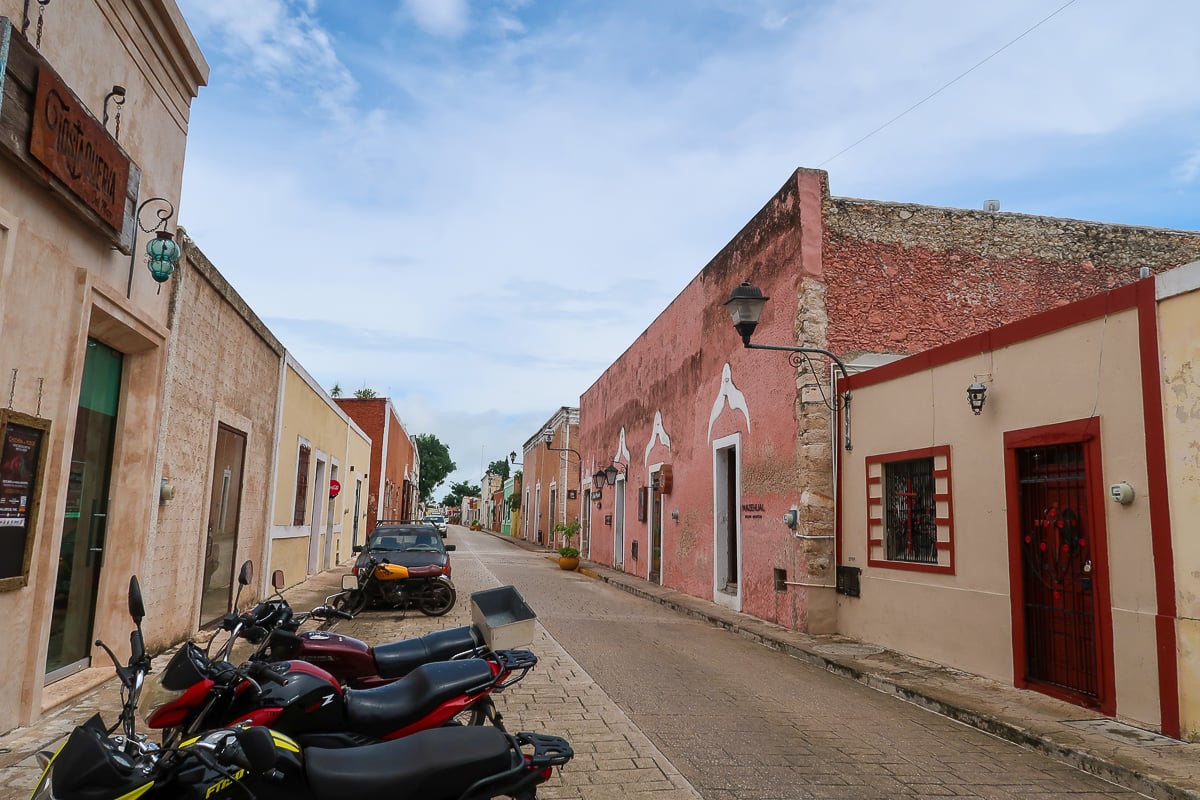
<point x="161" y="256"/>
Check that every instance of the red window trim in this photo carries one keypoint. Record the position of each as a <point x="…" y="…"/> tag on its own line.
<point x="875" y="504"/>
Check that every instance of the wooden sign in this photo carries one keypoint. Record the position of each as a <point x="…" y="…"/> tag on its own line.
<point x="52" y="136"/>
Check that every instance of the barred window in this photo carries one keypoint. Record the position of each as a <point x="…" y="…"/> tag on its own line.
<point x="911" y="511"/>
<point x="910" y="520"/>
<point x="301" y="484"/>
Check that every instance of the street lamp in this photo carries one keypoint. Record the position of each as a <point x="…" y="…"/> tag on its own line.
<point x="162" y="252"/>
<point x="745" y="306"/>
<point x="611" y="472"/>
<point x="548" y="435"/>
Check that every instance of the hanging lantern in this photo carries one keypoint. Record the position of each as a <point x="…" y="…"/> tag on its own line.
<point x="161" y="256"/>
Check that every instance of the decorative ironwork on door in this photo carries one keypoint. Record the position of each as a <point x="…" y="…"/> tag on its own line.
<point x="1059" y="601"/>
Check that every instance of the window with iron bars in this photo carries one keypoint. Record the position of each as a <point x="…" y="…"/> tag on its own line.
<point x="910" y="510"/>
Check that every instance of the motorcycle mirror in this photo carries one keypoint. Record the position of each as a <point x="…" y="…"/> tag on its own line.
<point x="277" y="580"/>
<point x="358" y="548"/>
<point x="137" y="609"/>
<point x="450" y="547"/>
<point x="259" y="748"/>
<point x="246" y="574"/>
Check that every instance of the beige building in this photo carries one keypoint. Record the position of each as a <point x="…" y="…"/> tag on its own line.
<point x="217" y="449"/>
<point x="320" y="449"/>
<point x="96" y="100"/>
<point x="1045" y="540"/>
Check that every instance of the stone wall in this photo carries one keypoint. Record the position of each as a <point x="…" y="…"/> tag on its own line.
<point x="223" y="367"/>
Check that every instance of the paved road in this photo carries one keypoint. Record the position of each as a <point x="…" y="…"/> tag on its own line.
<point x="741" y="721"/>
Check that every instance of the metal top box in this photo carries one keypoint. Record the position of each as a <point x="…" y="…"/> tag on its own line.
<point x="503" y="617"/>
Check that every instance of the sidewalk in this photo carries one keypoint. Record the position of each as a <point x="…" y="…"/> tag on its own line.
<point x="1137" y="759"/>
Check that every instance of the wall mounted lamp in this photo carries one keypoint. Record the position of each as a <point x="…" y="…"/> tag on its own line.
<point x="977" y="396"/>
<point x="512" y="459"/>
<point x="598" y="480"/>
<point x="745" y="306"/>
<point x="611" y="472"/>
<point x="548" y="436"/>
<point x="162" y="253"/>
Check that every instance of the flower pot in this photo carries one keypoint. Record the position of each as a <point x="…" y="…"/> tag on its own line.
<point x="568" y="562"/>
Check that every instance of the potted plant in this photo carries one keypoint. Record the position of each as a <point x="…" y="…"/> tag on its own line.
<point x="568" y="556"/>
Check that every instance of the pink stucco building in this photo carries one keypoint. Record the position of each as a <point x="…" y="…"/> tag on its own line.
<point x="713" y="445"/>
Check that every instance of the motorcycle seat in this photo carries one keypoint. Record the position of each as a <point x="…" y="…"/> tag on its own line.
<point x="441" y="762"/>
<point x="383" y="710"/>
<point x="397" y="659"/>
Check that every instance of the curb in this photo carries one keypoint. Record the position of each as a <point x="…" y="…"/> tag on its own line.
<point x="1129" y="777"/>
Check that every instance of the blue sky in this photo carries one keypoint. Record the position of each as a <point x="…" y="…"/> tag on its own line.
<point x="475" y="207"/>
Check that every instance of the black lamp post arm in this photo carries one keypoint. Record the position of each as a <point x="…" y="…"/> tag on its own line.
<point x="801" y="354"/>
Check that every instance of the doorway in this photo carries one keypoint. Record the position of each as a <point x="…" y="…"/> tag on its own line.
<point x="656" y="526"/>
<point x="357" y="511"/>
<point x="327" y="560"/>
<point x="727" y="504"/>
<point x="315" y="527"/>
<point x="81" y="554"/>
<point x="224" y="509"/>
<point x="1061" y="613"/>
<point x="619" y="524"/>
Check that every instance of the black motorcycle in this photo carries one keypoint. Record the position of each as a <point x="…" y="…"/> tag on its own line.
<point x="381" y="583"/>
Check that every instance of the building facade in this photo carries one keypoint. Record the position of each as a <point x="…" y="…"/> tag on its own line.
<point x="714" y="444"/>
<point x="83" y="327"/>
<point x="1041" y="541"/>
<point x="393" y="494"/>
<point x="551" y="478"/>
<point x="320" y="449"/>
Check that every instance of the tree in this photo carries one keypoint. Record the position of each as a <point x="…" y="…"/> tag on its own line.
<point x="336" y="391"/>
<point x="435" y="464"/>
<point x="364" y="393"/>
<point x="499" y="467"/>
<point x="458" y="491"/>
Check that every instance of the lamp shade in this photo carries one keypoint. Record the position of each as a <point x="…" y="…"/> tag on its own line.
<point x="610" y="474"/>
<point x="548" y="435"/>
<point x="162" y="253"/>
<point x="512" y="457"/>
<point x="598" y="479"/>
<point x="977" y="396"/>
<point x="745" y="307"/>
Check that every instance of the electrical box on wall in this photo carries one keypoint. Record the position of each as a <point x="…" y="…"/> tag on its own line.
<point x="792" y="518"/>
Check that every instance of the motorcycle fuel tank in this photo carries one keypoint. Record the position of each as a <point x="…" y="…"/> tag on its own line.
<point x="309" y="700"/>
<point x="344" y="657"/>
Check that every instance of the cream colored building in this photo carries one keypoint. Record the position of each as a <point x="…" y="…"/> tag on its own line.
<point x="83" y="327"/>
<point x="318" y="445"/>
<point x="1044" y="541"/>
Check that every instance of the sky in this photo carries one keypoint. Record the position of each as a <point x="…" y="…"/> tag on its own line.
<point x="473" y="207"/>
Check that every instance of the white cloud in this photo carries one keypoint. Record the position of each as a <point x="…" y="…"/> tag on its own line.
<point x="447" y="18"/>
<point x="1189" y="169"/>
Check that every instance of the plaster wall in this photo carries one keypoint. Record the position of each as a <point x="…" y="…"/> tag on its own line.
<point x="1179" y="342"/>
<point x="1076" y="373"/>
<point x="61" y="282"/>
<point x="310" y="415"/>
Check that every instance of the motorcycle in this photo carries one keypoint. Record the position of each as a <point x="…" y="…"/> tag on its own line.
<point x="380" y="582"/>
<point x="197" y="691"/>
<point x="352" y="661"/>
<point x="251" y="761"/>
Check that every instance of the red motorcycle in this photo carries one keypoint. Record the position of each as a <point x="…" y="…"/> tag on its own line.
<point x="197" y="692"/>
<point x="352" y="661"/>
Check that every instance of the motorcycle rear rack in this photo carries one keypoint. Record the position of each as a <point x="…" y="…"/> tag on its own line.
<point x="548" y="751"/>
<point x="513" y="661"/>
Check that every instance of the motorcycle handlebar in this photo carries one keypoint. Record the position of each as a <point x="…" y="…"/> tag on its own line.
<point x="263" y="671"/>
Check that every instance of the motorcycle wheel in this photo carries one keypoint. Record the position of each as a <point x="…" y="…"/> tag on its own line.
<point x="480" y="713"/>
<point x="352" y="602"/>
<point x="437" y="599"/>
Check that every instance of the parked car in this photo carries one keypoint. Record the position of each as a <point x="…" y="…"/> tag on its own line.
<point x="438" y="521"/>
<point x="409" y="544"/>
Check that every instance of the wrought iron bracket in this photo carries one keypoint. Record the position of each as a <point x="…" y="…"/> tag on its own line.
<point x="802" y="356"/>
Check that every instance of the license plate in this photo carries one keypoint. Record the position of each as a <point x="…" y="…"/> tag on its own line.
<point x="349" y="582"/>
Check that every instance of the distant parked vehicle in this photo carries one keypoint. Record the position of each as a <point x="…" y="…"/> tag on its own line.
<point x="438" y="521"/>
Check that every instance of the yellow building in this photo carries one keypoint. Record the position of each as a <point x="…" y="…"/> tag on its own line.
<point x="320" y="450"/>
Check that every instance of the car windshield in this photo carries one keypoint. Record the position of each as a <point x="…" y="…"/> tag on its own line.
<point x="395" y="540"/>
<point x="434" y="518"/>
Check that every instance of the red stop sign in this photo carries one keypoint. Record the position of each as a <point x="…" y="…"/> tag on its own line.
<point x="335" y="488"/>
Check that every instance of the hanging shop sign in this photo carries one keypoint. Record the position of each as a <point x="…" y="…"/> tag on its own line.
<point x="48" y="131"/>
<point x="23" y="441"/>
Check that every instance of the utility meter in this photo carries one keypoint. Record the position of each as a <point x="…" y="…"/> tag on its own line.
<point x="1122" y="492"/>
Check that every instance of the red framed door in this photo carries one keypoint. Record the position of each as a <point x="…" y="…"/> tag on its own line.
<point x="1062" y="620"/>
